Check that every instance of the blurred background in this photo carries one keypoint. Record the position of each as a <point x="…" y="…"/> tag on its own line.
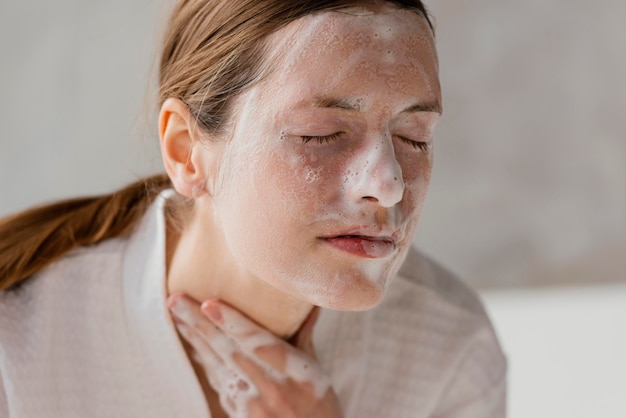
<point x="528" y="199"/>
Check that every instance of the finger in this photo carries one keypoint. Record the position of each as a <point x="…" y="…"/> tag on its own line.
<point x="299" y="369"/>
<point x="212" y="364"/>
<point x="303" y="339"/>
<point x="264" y="380"/>
<point x="301" y="379"/>
<point x="234" y="389"/>
<point x="254" y="340"/>
<point x="236" y="394"/>
<point x="211" y="339"/>
<point x="188" y="311"/>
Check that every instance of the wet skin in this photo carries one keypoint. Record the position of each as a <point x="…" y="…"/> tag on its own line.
<point x="326" y="170"/>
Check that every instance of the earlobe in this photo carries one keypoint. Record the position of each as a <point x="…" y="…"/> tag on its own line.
<point x="180" y="149"/>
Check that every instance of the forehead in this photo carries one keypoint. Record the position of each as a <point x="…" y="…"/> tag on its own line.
<point x="331" y="49"/>
<point x="364" y="25"/>
<point x="399" y="30"/>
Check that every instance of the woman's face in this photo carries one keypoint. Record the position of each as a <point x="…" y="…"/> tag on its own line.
<point x="324" y="176"/>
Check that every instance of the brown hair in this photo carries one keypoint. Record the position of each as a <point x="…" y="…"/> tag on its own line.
<point x="213" y="51"/>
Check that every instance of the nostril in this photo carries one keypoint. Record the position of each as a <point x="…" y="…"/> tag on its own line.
<point x="370" y="198"/>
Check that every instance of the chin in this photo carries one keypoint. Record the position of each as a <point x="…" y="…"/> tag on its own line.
<point x="349" y="292"/>
<point x="352" y="304"/>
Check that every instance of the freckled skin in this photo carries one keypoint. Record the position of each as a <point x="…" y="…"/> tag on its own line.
<point x="278" y="195"/>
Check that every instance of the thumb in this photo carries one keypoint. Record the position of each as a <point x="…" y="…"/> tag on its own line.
<point x="303" y="339"/>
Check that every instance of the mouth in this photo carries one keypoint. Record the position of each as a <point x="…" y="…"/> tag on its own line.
<point x="364" y="246"/>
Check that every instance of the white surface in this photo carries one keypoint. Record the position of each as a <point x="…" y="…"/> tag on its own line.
<point x="566" y="350"/>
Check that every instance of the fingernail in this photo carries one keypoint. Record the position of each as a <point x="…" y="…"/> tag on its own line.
<point x="176" y="305"/>
<point x="212" y="310"/>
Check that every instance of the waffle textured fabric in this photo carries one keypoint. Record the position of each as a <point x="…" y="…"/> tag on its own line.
<point x="90" y="336"/>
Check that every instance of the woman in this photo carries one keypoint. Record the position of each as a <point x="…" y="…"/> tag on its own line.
<point x="297" y="137"/>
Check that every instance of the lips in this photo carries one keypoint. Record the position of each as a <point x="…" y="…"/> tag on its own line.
<point x="365" y="246"/>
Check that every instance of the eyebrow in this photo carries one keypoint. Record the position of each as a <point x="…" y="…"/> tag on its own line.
<point x="432" y="106"/>
<point x="335" y="103"/>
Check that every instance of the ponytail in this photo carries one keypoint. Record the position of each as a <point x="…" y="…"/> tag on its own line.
<point x="31" y="240"/>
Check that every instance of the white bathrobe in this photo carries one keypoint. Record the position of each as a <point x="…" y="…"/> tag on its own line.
<point x="90" y="336"/>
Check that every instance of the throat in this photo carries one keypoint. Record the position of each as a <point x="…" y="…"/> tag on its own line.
<point x="200" y="265"/>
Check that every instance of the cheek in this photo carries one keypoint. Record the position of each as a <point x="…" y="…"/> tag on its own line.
<point x="299" y="171"/>
<point x="306" y="180"/>
<point x="416" y="182"/>
<point x="270" y="201"/>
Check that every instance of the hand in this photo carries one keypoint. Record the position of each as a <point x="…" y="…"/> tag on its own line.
<point x="255" y="373"/>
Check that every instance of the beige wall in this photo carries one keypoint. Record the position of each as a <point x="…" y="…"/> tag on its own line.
<point x="531" y="156"/>
<point x="530" y="181"/>
<point x="73" y="82"/>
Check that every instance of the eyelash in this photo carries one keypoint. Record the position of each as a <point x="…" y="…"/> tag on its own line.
<point x="422" y="146"/>
<point x="322" y="139"/>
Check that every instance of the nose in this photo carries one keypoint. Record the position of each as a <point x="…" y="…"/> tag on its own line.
<point x="375" y="175"/>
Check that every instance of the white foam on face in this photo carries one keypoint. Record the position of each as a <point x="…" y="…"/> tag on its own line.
<point x="380" y="176"/>
<point x="277" y="199"/>
<point x="312" y="174"/>
<point x="374" y="269"/>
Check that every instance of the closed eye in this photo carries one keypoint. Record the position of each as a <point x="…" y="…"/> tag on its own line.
<point x="422" y="146"/>
<point x="322" y="139"/>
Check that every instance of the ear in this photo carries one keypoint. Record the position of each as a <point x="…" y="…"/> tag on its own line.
<point x="183" y="154"/>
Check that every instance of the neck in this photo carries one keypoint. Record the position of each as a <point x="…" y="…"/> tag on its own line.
<point x="200" y="265"/>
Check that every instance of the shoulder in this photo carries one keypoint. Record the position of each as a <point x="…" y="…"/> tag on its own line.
<point x="449" y="305"/>
<point x="58" y="314"/>
<point x="65" y="287"/>
<point x="425" y="297"/>
<point x="428" y="348"/>
<point x="421" y="275"/>
<point x="441" y="312"/>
